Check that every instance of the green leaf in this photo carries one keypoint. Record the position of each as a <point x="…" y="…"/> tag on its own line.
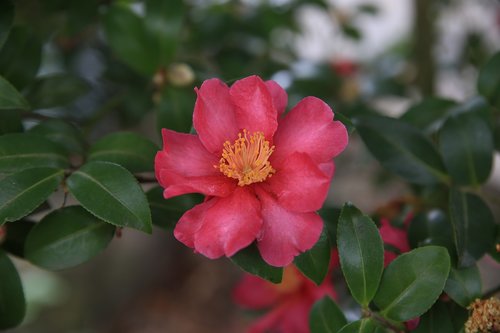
<point x="464" y="285"/>
<point x="62" y="133"/>
<point x="402" y="149"/>
<point x="163" y="23"/>
<point x="466" y="143"/>
<point x="130" y="150"/>
<point x="412" y="283"/>
<point x="127" y="37"/>
<point x="67" y="237"/>
<point x="473" y="226"/>
<point x="488" y="82"/>
<point x="55" y="90"/>
<point x="346" y="121"/>
<point x="20" y="57"/>
<point x="326" y="317"/>
<point x="6" y="20"/>
<point x="250" y="261"/>
<point x="16" y="234"/>
<point x="175" y="110"/>
<point x="10" y="98"/>
<point x="428" y="113"/>
<point x="166" y="212"/>
<point x="25" y="190"/>
<point x="19" y="151"/>
<point x="10" y="121"/>
<point x="361" y="253"/>
<point x="330" y="216"/>
<point x="436" y="320"/>
<point x="111" y="193"/>
<point x="315" y="262"/>
<point x="12" y="303"/>
<point x="362" y="326"/>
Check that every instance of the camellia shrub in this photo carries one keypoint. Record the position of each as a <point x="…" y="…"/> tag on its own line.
<point x="235" y="166"/>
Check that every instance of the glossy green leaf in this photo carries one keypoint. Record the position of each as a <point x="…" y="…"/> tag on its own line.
<point x="25" y="190"/>
<point x="326" y="317"/>
<point x="55" y="90"/>
<point x="10" y="98"/>
<point x="427" y="113"/>
<point x="12" y="303"/>
<point x="361" y="253"/>
<point x="314" y="263"/>
<point x="466" y="143"/>
<point x="19" y="151"/>
<point x="20" y="57"/>
<point x="66" y="238"/>
<point x="127" y="37"/>
<point x="473" y="226"/>
<point x="488" y="82"/>
<point x="250" y="261"/>
<point x="62" y="133"/>
<point x="166" y="212"/>
<point x="366" y="325"/>
<point x="464" y="285"/>
<point x="402" y="149"/>
<point x="412" y="283"/>
<point x="436" y="320"/>
<point x="130" y="150"/>
<point x="330" y="216"/>
<point x="10" y="121"/>
<point x="16" y="237"/>
<point x="111" y="193"/>
<point x="6" y="19"/>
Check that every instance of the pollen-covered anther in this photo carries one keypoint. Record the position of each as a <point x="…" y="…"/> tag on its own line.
<point x="247" y="159"/>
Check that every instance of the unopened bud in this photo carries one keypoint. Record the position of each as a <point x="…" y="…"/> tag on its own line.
<point x="180" y="75"/>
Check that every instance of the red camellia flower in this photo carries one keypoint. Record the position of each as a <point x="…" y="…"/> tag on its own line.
<point x="264" y="174"/>
<point x="290" y="301"/>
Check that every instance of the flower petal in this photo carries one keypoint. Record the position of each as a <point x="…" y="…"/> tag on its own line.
<point x="223" y="226"/>
<point x="185" y="166"/>
<point x="278" y="94"/>
<point x="309" y="128"/>
<point x="253" y="292"/>
<point x="300" y="185"/>
<point x="213" y="117"/>
<point x="255" y="110"/>
<point x="284" y="233"/>
<point x="393" y="235"/>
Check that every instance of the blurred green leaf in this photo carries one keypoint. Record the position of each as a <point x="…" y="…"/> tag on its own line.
<point x="361" y="253"/>
<point x="412" y="283"/>
<point x="111" y="193"/>
<point x="464" y="285"/>
<point x="166" y="212"/>
<point x="20" y="57"/>
<point x="402" y="149"/>
<point x="55" y="90"/>
<point x="132" y="151"/>
<point x="20" y="151"/>
<point x="436" y="320"/>
<point x="473" y="226"/>
<point x="428" y="112"/>
<point x="175" y="110"/>
<point x="346" y="121"/>
<point x="488" y="82"/>
<point x="6" y="19"/>
<point x="351" y="31"/>
<point x="368" y="8"/>
<point x="366" y="325"/>
<point x="25" y="190"/>
<point x="16" y="237"/>
<point x="10" y="121"/>
<point x="67" y="237"/>
<point x="466" y="143"/>
<point x="250" y="261"/>
<point x="326" y="317"/>
<point x="12" y="303"/>
<point x="62" y="133"/>
<point x="10" y="98"/>
<point x="315" y="262"/>
<point x="127" y="37"/>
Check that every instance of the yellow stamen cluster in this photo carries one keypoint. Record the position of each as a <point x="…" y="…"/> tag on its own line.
<point x="247" y="159"/>
<point x="485" y="316"/>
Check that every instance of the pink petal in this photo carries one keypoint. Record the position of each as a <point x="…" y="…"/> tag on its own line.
<point x="328" y="168"/>
<point x="255" y="293"/>
<point x="185" y="166"/>
<point x="309" y="128"/>
<point x="223" y="226"/>
<point x="279" y="96"/>
<point x="254" y="106"/>
<point x="285" y="233"/>
<point x="394" y="236"/>
<point x="299" y="184"/>
<point x="214" y="118"/>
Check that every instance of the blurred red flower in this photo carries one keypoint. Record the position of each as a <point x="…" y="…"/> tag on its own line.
<point x="290" y="301"/>
<point x="264" y="174"/>
<point x="395" y="237"/>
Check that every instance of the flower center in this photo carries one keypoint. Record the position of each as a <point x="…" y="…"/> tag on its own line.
<point x="247" y="158"/>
